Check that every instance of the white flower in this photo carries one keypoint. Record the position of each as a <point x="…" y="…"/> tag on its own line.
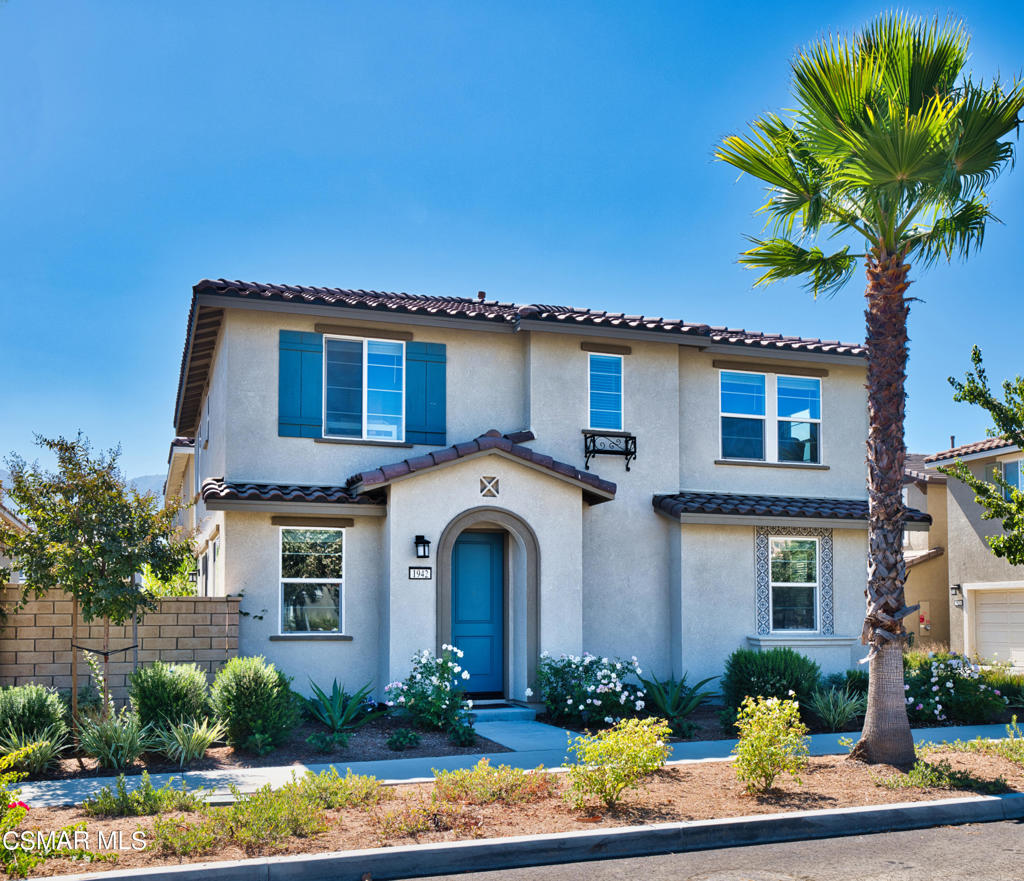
<point x="792" y="693"/>
<point x="949" y="685"/>
<point x="469" y="705"/>
<point x="639" y="705"/>
<point x="465" y="674"/>
<point x="528" y="692"/>
<point x="608" y="720"/>
<point x="906" y="687"/>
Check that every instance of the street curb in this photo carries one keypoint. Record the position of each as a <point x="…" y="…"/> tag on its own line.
<point x="413" y="861"/>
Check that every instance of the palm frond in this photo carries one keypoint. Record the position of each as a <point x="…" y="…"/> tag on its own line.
<point x="781" y="258"/>
<point x="953" y="234"/>
<point x="984" y="116"/>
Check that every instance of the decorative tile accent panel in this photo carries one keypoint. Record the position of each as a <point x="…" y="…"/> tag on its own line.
<point x="762" y="570"/>
<point x="489" y="487"/>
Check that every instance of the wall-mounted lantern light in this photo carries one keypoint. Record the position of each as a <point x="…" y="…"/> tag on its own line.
<point x="422" y="547"/>
<point x="193" y="576"/>
<point x="956" y="590"/>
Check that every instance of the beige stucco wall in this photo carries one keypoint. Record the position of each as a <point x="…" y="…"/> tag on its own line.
<point x="718" y="606"/>
<point x="251" y="554"/>
<point x="928" y="582"/>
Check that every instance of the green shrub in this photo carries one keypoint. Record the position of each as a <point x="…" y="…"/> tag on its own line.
<point x="1005" y="683"/>
<point x="402" y="738"/>
<point x="185" y="742"/>
<point x="772" y="673"/>
<point x="189" y="838"/>
<point x="947" y="687"/>
<point x="855" y="681"/>
<point x="941" y="775"/>
<point x="428" y="814"/>
<point x="115" y="742"/>
<point x="772" y="741"/>
<point x="328" y="741"/>
<point x="433" y="695"/>
<point x="165" y="694"/>
<point x="483" y="784"/>
<point x="330" y="790"/>
<point x="585" y="690"/>
<point x="267" y="818"/>
<point x="609" y="762"/>
<point x="90" y="701"/>
<point x="144" y="800"/>
<point x="339" y="710"/>
<point x="837" y="707"/>
<point x="38" y="752"/>
<point x="673" y="700"/>
<point x="255" y="704"/>
<point x="31" y="710"/>
<point x="462" y="733"/>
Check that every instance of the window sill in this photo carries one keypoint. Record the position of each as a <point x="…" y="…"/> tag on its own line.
<point x="800" y="638"/>
<point x="310" y="637"/>
<point x="355" y="440"/>
<point x="758" y="463"/>
<point x="606" y="431"/>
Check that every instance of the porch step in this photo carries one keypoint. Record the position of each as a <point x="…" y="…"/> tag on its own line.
<point x="506" y="713"/>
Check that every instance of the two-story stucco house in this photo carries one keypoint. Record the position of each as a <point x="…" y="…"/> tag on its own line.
<point x="381" y="473"/>
<point x="986" y="594"/>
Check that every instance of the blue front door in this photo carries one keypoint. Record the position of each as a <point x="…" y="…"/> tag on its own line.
<point x="478" y="623"/>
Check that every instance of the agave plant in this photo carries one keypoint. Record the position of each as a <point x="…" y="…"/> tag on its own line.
<point x="674" y="700"/>
<point x="339" y="710"/>
<point x="184" y="742"/>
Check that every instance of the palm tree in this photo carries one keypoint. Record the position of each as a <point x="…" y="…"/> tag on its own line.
<point x="890" y="145"/>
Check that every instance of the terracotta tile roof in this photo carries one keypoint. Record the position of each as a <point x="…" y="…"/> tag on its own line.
<point x="915" y="470"/>
<point x="493" y="310"/>
<point x="595" y="489"/>
<point x="218" y="489"/>
<point x="743" y="505"/>
<point x="913" y="558"/>
<point x="204" y="323"/>
<point x="982" y="446"/>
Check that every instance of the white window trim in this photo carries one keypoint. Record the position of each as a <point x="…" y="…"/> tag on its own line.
<point x="323" y="409"/>
<point x="281" y="580"/>
<point x="622" y="394"/>
<point x="816" y="584"/>
<point x="771" y="419"/>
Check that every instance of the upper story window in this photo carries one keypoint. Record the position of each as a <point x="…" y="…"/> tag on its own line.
<point x="1011" y="474"/>
<point x="770" y="417"/>
<point x="364" y="389"/>
<point x="606" y="392"/>
<point x="794" y="583"/>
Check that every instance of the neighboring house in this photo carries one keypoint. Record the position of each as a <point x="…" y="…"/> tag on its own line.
<point x="986" y="593"/>
<point x="11" y="519"/>
<point x="925" y="554"/>
<point x="381" y="473"/>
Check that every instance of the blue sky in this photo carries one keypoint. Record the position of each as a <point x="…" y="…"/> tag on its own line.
<point x="543" y="152"/>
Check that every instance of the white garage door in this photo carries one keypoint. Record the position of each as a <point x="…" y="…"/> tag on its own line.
<point x="999" y="625"/>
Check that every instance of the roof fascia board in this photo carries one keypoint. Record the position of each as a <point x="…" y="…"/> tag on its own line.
<point x="349" y="313"/>
<point x="974" y="457"/>
<point x="323" y="508"/>
<point x="761" y="520"/>
<point x="616" y="333"/>
<point x="585" y="487"/>
<point x="190" y="337"/>
<point x="752" y="351"/>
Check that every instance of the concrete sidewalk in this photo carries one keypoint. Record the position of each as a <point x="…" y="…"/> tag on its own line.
<point x="532" y="744"/>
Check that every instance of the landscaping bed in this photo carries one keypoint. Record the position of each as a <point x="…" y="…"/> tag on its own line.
<point x="368" y="743"/>
<point x="406" y="814"/>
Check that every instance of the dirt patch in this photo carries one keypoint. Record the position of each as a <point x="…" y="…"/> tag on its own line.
<point x="367" y="744"/>
<point x="684" y="792"/>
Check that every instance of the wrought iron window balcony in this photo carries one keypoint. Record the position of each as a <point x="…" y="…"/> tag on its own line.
<point x="608" y="443"/>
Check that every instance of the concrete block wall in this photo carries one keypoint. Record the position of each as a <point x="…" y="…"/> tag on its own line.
<point x="35" y="645"/>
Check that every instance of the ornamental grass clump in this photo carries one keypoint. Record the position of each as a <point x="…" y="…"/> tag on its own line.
<point x="187" y="741"/>
<point x="609" y="762"/>
<point x="38" y="751"/>
<point x="433" y="695"/>
<point x="587" y="691"/>
<point x="837" y="707"/>
<point x="772" y="741"/>
<point x="117" y="741"/>
<point x="946" y="687"/>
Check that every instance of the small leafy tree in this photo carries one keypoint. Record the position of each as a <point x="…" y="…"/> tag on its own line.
<point x="1000" y="500"/>
<point x="89" y="534"/>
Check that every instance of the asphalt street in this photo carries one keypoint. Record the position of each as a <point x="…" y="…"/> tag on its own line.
<point x="976" y="852"/>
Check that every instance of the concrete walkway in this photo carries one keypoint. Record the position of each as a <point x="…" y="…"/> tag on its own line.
<point x="532" y="744"/>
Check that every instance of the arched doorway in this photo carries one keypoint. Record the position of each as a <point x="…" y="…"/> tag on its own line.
<point x="493" y="533"/>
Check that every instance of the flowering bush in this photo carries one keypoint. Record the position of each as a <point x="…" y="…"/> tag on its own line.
<point x="610" y="762"/>
<point x="949" y="688"/>
<point x="588" y="690"/>
<point x="433" y="694"/>
<point x="772" y="741"/>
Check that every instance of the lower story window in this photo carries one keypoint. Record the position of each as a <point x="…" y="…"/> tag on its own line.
<point x="794" y="583"/>
<point x="312" y="579"/>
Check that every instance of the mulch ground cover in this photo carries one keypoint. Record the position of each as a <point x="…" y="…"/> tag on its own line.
<point x="367" y="744"/>
<point x="683" y="792"/>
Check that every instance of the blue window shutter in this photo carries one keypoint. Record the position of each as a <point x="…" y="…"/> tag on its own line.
<point x="425" y="393"/>
<point x="300" y="384"/>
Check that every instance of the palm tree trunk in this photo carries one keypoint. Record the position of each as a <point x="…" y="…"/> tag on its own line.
<point x="886" y="736"/>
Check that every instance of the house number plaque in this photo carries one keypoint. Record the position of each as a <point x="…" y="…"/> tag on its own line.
<point x="421" y="573"/>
